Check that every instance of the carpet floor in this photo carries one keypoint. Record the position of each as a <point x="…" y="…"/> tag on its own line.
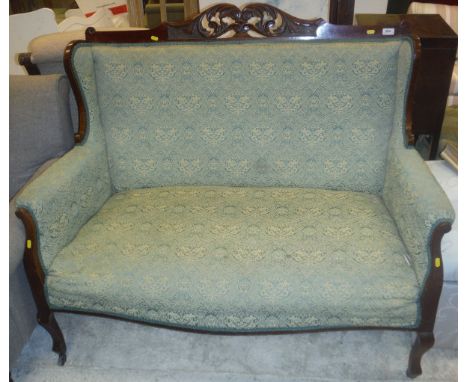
<point x="107" y="350"/>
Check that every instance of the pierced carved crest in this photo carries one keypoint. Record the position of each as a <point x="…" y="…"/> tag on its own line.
<point x="253" y="20"/>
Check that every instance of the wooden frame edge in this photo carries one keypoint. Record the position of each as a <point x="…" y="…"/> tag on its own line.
<point x="36" y="279"/>
<point x="217" y="332"/>
<point x="31" y="261"/>
<point x="269" y="21"/>
<point x="411" y="139"/>
<point x="429" y="302"/>
<point x="432" y="288"/>
<point x="341" y="12"/>
<point x="67" y="63"/>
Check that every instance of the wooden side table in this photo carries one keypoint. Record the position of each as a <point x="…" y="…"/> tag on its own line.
<point x="438" y="53"/>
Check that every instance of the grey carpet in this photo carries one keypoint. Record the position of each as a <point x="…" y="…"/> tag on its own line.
<point x="105" y="350"/>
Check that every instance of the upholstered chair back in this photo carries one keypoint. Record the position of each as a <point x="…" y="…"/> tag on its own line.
<point x="251" y="113"/>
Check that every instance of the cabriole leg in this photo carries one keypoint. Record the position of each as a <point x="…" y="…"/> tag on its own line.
<point x="49" y="323"/>
<point x="36" y="279"/>
<point x="422" y="343"/>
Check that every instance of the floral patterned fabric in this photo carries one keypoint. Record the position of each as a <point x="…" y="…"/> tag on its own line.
<point x="413" y="196"/>
<point x="117" y="234"/>
<point x="246" y="114"/>
<point x="239" y="259"/>
<point x="75" y="187"/>
<point x="416" y="201"/>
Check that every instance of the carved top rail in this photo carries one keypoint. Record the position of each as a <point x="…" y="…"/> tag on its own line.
<point x="255" y="20"/>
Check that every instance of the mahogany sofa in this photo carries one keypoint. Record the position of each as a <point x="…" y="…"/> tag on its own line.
<point x="260" y="182"/>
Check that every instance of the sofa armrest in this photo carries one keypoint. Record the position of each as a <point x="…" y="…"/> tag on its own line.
<point x="65" y="197"/>
<point x="417" y="203"/>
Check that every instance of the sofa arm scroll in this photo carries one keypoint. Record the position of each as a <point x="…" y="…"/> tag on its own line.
<point x="63" y="198"/>
<point x="419" y="207"/>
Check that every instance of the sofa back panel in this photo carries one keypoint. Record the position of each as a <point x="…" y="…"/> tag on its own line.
<point x="304" y="114"/>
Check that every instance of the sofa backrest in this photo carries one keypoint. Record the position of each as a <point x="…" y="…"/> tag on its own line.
<point x="257" y="112"/>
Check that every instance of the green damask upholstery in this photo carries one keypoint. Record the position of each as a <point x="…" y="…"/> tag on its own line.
<point x="412" y="195"/>
<point x="241" y="186"/>
<point x="416" y="201"/>
<point x="74" y="188"/>
<point x="248" y="115"/>
<point x="240" y="258"/>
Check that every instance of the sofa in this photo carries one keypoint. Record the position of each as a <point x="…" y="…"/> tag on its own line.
<point x="241" y="172"/>
<point x="40" y="131"/>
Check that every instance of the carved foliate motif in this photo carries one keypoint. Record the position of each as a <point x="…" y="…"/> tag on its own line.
<point x="254" y="20"/>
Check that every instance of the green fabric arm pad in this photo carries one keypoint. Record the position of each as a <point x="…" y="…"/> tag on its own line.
<point x="417" y="203"/>
<point x="65" y="197"/>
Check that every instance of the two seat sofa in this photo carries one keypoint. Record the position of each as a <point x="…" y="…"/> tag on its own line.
<point x="240" y="184"/>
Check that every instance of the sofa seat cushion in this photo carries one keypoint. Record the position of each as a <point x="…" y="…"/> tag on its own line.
<point x="239" y="259"/>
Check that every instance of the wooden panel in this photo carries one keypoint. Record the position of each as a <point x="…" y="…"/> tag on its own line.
<point x="432" y="76"/>
<point x="341" y="12"/>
